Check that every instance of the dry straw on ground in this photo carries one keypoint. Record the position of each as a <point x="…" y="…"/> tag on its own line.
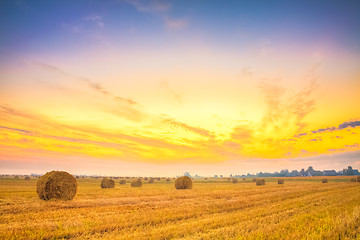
<point x="183" y="183"/>
<point x="280" y="181"/>
<point x="107" y="183"/>
<point x="234" y="180"/>
<point x="260" y="182"/>
<point x="27" y="178"/>
<point x="324" y="181"/>
<point x="122" y="181"/>
<point x="136" y="183"/>
<point x="58" y="185"/>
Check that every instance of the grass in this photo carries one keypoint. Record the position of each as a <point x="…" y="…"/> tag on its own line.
<point x="302" y="208"/>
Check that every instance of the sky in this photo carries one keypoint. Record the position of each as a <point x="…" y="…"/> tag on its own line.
<point x="157" y="88"/>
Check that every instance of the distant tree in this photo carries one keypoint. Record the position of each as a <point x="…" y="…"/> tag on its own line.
<point x="187" y="174"/>
<point x="349" y="171"/>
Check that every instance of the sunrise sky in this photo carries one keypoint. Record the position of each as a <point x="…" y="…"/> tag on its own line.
<point x="131" y="87"/>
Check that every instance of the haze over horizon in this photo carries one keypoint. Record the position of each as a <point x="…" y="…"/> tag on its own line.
<point x="133" y="87"/>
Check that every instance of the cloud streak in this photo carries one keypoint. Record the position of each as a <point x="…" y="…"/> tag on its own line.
<point x="93" y="85"/>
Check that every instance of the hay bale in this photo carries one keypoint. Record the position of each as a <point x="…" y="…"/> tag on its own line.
<point x="280" y="181"/>
<point x="244" y="179"/>
<point x="183" y="183"/>
<point x="352" y="179"/>
<point x="107" y="183"/>
<point x="358" y="178"/>
<point x="77" y="177"/>
<point x="136" y="183"/>
<point x="27" y="178"/>
<point x="168" y="179"/>
<point x="205" y="179"/>
<point x="151" y="180"/>
<point x="146" y="178"/>
<point x="56" y="184"/>
<point x="254" y="179"/>
<point x="324" y="181"/>
<point x="260" y="182"/>
<point x="16" y="176"/>
<point x="122" y="181"/>
<point x="234" y="180"/>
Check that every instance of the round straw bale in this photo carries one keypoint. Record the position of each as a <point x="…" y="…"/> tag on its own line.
<point x="56" y="184"/>
<point x="151" y="180"/>
<point x="260" y="182"/>
<point x="27" y="178"/>
<point x="183" y="183"/>
<point x="234" y="180"/>
<point x="122" y="181"/>
<point x="352" y="179"/>
<point x="146" y="178"/>
<point x="168" y="180"/>
<point x="254" y="179"/>
<point x="358" y="178"/>
<point x="136" y="183"/>
<point x="107" y="183"/>
<point x="324" y="181"/>
<point x="281" y="181"/>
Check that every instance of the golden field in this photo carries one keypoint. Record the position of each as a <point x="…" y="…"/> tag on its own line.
<point x="302" y="208"/>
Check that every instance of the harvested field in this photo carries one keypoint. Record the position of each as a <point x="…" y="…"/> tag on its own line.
<point x="211" y="210"/>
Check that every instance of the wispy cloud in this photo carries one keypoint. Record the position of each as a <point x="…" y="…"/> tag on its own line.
<point x="176" y="24"/>
<point x="150" y="5"/>
<point x="93" y="85"/>
<point x="284" y="109"/>
<point x="160" y="9"/>
<point x="165" y="85"/>
<point x="349" y="124"/>
<point x="197" y="130"/>
<point x="96" y="19"/>
<point x="341" y="126"/>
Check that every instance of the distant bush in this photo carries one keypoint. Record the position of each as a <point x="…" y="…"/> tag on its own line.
<point x="234" y="180"/>
<point x="280" y="181"/>
<point x="324" y="181"/>
<point x="27" y="178"/>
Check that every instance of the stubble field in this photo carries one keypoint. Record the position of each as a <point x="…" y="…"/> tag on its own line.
<point x="302" y="208"/>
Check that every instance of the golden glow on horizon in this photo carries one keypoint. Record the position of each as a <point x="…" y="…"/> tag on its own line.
<point x="193" y="116"/>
